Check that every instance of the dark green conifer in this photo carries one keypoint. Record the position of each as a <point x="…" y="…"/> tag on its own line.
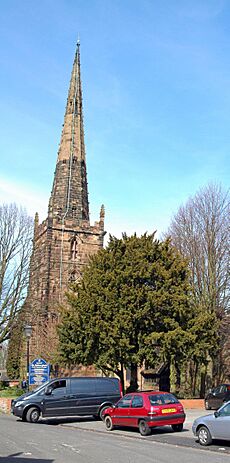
<point x="132" y="305"/>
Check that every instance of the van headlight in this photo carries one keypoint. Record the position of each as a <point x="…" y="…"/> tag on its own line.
<point x="18" y="403"/>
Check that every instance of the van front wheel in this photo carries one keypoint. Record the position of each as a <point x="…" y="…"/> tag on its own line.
<point x="101" y="412"/>
<point x="32" y="415"/>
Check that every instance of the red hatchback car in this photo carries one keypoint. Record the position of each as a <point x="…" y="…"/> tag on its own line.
<point x="146" y="410"/>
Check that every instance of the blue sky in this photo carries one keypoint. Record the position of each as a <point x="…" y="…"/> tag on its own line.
<point x="156" y="95"/>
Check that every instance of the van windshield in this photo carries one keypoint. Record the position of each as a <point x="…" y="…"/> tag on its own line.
<point x="43" y="385"/>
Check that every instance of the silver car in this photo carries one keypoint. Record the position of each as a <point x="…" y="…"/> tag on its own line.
<point x="214" y="426"/>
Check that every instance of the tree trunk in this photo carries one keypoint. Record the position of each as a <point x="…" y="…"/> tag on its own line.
<point x="178" y="377"/>
<point x="121" y="376"/>
<point x="194" y="378"/>
<point x="202" y="382"/>
<point x="133" y="386"/>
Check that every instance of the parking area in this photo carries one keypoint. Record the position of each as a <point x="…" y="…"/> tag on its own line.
<point x="163" y="435"/>
<point x="90" y="424"/>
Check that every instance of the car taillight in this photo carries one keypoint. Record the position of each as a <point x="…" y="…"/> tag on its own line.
<point x="154" y="411"/>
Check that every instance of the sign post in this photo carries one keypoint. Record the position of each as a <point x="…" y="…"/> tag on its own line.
<point x="39" y="372"/>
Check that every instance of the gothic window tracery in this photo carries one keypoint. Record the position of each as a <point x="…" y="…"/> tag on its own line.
<point x="74" y="276"/>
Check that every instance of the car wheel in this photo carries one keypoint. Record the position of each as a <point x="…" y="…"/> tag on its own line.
<point x="207" y="406"/>
<point x="32" y="415"/>
<point x="144" y="428"/>
<point x="108" y="423"/>
<point x="204" y="436"/>
<point x="177" y="427"/>
<point x="101" y="412"/>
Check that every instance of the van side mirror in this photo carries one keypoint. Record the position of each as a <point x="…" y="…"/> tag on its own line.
<point x="48" y="390"/>
<point x="216" y="414"/>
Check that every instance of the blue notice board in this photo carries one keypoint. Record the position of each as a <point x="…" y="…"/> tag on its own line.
<point x="39" y="372"/>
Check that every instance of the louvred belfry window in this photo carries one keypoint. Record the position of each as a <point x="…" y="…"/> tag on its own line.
<point x="74" y="248"/>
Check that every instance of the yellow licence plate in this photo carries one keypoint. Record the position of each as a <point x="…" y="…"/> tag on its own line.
<point x="168" y="410"/>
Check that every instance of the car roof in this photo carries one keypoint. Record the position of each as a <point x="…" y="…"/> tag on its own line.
<point x="222" y="384"/>
<point x="149" y="392"/>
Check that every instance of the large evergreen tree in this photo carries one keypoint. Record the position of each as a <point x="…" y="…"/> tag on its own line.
<point x="14" y="351"/>
<point x="131" y="305"/>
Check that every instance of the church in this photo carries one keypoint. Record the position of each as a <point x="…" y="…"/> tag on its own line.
<point x="64" y="241"/>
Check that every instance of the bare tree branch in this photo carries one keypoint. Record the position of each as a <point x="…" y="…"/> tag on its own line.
<point x="200" y="230"/>
<point x="16" y="229"/>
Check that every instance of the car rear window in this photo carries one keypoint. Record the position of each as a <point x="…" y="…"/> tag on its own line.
<point x="163" y="399"/>
<point x="223" y="389"/>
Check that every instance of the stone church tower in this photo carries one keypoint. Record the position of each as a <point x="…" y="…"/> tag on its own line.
<point x="64" y="241"/>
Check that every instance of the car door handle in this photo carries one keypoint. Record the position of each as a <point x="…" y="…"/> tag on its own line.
<point x="69" y="397"/>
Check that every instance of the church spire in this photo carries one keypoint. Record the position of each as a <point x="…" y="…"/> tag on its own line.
<point x="69" y="197"/>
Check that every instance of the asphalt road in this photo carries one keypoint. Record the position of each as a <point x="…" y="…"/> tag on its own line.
<point x="86" y="441"/>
